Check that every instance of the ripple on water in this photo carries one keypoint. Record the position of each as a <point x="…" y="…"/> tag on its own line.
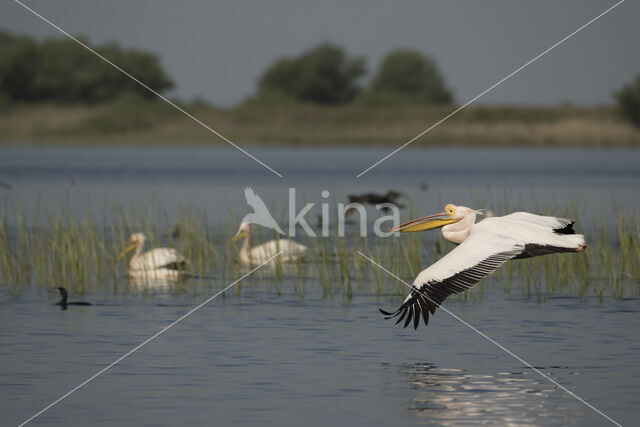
<point x="453" y="396"/>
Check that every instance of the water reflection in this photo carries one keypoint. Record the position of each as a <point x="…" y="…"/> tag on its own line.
<point x="453" y="396"/>
<point x="155" y="286"/>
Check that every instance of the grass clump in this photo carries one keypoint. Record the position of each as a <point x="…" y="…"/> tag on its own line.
<point x="80" y="254"/>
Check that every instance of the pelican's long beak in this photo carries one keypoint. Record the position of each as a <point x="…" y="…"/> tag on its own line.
<point x="126" y="250"/>
<point x="235" y="238"/>
<point x="428" y="222"/>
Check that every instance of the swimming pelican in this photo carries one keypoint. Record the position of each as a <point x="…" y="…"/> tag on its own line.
<point x="290" y="251"/>
<point x="159" y="263"/>
<point x="482" y="248"/>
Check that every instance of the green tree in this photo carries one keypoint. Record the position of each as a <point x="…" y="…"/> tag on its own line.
<point x="144" y="66"/>
<point x="322" y="75"/>
<point x="409" y="75"/>
<point x="628" y="99"/>
<point x="65" y="72"/>
<point x="17" y="65"/>
<point x="59" y="70"/>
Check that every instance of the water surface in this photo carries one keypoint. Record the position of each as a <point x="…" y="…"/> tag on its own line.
<point x="259" y="358"/>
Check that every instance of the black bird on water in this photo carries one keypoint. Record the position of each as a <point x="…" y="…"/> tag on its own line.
<point x="63" y="303"/>
<point x="376" y="199"/>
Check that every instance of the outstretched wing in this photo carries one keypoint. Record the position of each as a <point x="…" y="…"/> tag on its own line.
<point x="492" y="242"/>
<point x="550" y="223"/>
<point x="473" y="260"/>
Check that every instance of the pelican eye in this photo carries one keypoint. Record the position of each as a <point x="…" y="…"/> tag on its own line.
<point x="449" y="210"/>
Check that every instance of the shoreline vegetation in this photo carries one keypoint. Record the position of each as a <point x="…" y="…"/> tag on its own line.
<point x="52" y="92"/>
<point x="81" y="253"/>
<point x="140" y="122"/>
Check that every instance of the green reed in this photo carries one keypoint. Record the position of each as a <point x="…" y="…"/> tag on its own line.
<point x="80" y="252"/>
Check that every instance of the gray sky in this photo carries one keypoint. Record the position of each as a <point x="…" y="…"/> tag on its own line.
<point x="216" y="49"/>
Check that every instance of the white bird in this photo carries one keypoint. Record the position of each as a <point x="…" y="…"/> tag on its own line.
<point x="159" y="263"/>
<point x="483" y="247"/>
<point x="290" y="251"/>
<point x="261" y="215"/>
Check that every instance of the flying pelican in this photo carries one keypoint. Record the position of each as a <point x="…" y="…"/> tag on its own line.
<point x="159" y="263"/>
<point x="482" y="248"/>
<point x="290" y="251"/>
<point x="260" y="214"/>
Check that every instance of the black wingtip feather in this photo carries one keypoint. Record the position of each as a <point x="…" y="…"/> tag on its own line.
<point x="567" y="229"/>
<point x="408" y="320"/>
<point x="385" y="313"/>
<point x="402" y="314"/>
<point x="425" y="311"/>
<point x="428" y="297"/>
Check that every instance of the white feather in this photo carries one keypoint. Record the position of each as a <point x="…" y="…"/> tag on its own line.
<point x="159" y="263"/>
<point x="290" y="251"/>
<point x="492" y="236"/>
<point x="483" y="247"/>
<point x="156" y="258"/>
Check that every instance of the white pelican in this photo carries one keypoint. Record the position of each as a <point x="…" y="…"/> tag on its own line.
<point x="159" y="263"/>
<point x="290" y="251"/>
<point x="483" y="247"/>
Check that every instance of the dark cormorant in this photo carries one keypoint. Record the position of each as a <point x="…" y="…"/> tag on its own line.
<point x="64" y="303"/>
<point x="375" y="198"/>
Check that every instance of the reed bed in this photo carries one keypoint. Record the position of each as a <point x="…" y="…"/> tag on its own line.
<point x="156" y="123"/>
<point x="80" y="254"/>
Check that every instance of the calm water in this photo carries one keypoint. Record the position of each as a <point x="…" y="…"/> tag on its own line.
<point x="263" y="359"/>
<point x="214" y="179"/>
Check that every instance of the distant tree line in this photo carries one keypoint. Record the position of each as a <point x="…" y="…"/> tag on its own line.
<point x="326" y="74"/>
<point x="58" y="70"/>
<point x="323" y="75"/>
<point x="628" y="99"/>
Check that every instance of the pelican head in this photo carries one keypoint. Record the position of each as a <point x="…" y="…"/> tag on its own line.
<point x="135" y="240"/>
<point x="451" y="215"/>
<point x="243" y="231"/>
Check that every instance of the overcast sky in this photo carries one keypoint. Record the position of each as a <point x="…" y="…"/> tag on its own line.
<point x="216" y="49"/>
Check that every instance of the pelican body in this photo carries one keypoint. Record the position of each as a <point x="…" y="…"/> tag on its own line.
<point x="159" y="263"/>
<point x="482" y="248"/>
<point x="290" y="251"/>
